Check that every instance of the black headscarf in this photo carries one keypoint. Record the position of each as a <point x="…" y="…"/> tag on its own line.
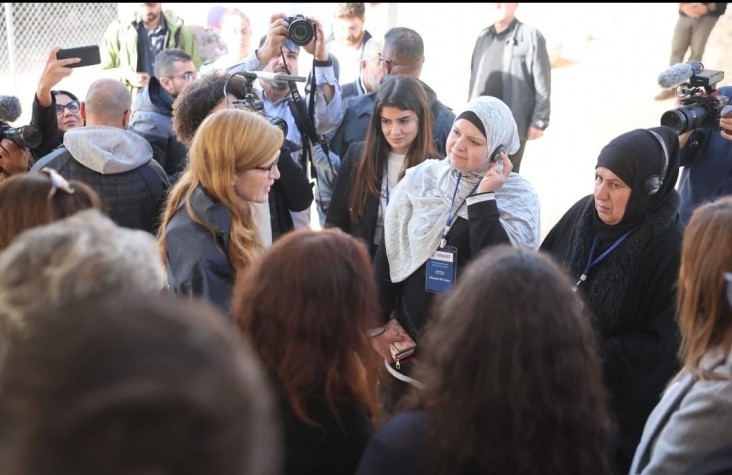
<point x="634" y="157"/>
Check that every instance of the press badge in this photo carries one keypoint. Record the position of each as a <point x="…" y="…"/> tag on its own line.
<point x="440" y="270"/>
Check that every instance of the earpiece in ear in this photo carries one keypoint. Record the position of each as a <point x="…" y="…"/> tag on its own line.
<point x="653" y="183"/>
<point x="501" y="149"/>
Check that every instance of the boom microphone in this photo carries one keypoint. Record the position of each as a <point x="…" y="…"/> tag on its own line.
<point x="678" y="73"/>
<point x="9" y="108"/>
<point x="272" y="76"/>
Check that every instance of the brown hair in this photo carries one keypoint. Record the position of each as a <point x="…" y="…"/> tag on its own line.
<point x="350" y="10"/>
<point x="26" y="202"/>
<point x="705" y="318"/>
<point x="510" y="367"/>
<point x="404" y="93"/>
<point x="306" y="306"/>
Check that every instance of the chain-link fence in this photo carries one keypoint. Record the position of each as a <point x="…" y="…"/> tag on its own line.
<point x="30" y="30"/>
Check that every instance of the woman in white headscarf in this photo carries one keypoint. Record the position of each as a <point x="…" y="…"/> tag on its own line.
<point x="444" y="212"/>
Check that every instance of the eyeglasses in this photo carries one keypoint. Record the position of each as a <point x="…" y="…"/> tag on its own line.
<point x="269" y="168"/>
<point x="72" y="106"/>
<point x="186" y="76"/>
<point x="57" y="182"/>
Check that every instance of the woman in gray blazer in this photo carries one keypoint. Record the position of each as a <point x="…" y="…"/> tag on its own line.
<point x="694" y="417"/>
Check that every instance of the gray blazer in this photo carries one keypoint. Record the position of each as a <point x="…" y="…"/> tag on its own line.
<point x="692" y="420"/>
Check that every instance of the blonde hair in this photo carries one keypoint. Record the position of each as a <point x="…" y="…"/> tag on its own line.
<point x="705" y="318"/>
<point x="227" y="142"/>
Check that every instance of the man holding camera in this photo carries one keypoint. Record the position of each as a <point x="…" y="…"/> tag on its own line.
<point x="278" y="53"/>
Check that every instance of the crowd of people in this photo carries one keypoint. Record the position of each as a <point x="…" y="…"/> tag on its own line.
<point x="167" y="307"/>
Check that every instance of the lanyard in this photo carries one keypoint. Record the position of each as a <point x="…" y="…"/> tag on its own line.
<point x="592" y="262"/>
<point x="386" y="181"/>
<point x="450" y="216"/>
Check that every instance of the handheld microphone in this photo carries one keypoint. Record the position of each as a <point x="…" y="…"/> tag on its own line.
<point x="272" y="76"/>
<point x="9" y="108"/>
<point x="678" y="73"/>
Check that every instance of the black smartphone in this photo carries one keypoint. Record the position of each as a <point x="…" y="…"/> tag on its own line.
<point x="89" y="55"/>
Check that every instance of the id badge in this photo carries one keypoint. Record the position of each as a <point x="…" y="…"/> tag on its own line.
<point x="440" y="270"/>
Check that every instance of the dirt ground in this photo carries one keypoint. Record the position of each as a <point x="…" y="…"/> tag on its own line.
<point x="601" y="88"/>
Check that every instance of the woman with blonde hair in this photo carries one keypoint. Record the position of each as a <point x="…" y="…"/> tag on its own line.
<point x="693" y="419"/>
<point x="208" y="234"/>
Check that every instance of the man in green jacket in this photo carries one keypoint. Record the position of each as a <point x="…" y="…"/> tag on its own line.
<point x="130" y="47"/>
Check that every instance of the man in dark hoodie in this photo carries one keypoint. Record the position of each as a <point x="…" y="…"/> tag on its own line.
<point x="116" y="163"/>
<point x="402" y="54"/>
<point x="153" y="109"/>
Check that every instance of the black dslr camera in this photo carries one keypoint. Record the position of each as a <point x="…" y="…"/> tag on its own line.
<point x="699" y="108"/>
<point x="300" y="30"/>
<point x="253" y="103"/>
<point x="25" y="136"/>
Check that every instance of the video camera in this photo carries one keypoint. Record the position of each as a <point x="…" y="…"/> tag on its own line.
<point x="300" y="30"/>
<point x="694" y="87"/>
<point x="25" y="136"/>
<point x="251" y="102"/>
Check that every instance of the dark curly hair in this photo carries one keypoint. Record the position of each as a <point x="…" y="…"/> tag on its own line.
<point x="197" y="101"/>
<point x="511" y="374"/>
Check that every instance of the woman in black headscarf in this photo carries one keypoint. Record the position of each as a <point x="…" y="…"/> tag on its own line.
<point x="622" y="247"/>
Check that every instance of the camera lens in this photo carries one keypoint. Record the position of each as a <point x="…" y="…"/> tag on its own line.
<point x="300" y="32"/>
<point x="685" y="118"/>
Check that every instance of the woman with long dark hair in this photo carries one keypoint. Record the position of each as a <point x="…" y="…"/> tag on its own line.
<point x="512" y="382"/>
<point x="399" y="137"/>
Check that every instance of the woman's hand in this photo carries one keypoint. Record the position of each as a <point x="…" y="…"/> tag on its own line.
<point x="496" y="175"/>
<point x="382" y="342"/>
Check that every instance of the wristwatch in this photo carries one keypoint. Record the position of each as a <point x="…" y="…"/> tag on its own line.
<point x="323" y="64"/>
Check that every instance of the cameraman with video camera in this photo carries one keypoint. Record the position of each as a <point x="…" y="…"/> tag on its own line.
<point x="703" y="121"/>
<point x="308" y="118"/>
<point x="706" y="156"/>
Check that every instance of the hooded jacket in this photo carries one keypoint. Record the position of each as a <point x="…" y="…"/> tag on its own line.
<point x="153" y="120"/>
<point x="118" y="165"/>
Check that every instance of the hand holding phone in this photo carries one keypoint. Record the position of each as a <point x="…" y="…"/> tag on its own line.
<point x="89" y="55"/>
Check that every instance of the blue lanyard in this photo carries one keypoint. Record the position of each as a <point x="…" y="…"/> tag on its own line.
<point x="592" y="262"/>
<point x="450" y="216"/>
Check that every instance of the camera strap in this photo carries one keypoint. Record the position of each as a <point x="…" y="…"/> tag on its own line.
<point x="304" y="121"/>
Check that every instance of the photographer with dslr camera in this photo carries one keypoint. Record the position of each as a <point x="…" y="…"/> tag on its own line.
<point x="703" y="121"/>
<point x="306" y="117"/>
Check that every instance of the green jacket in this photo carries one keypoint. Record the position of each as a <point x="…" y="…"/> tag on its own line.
<point x="119" y="50"/>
